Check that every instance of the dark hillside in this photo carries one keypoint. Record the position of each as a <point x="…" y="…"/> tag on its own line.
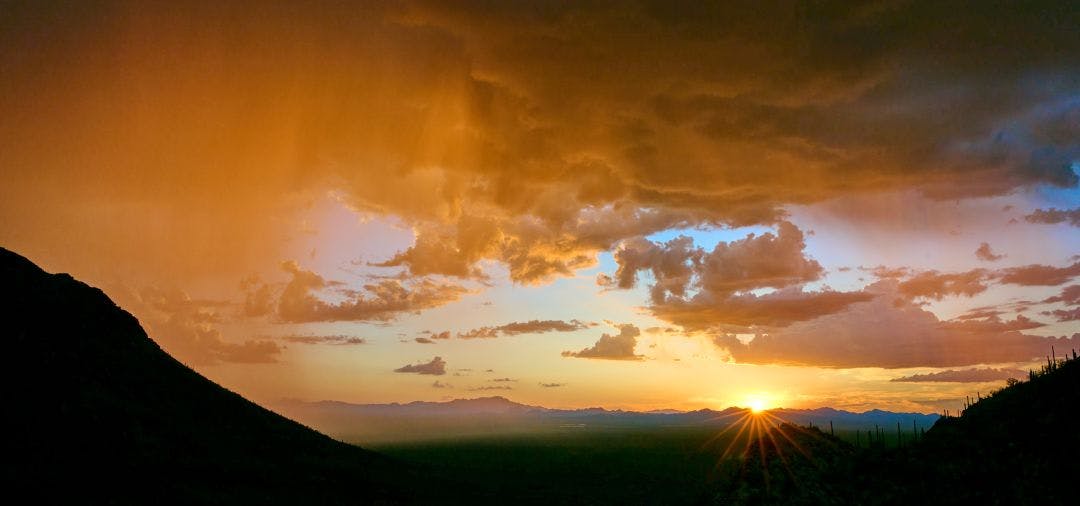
<point x="1020" y="445"/>
<point x="100" y="413"/>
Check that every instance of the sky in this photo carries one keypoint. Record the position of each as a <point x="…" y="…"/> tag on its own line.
<point x="641" y="205"/>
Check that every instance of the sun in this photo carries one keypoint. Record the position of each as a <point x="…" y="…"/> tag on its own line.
<point x="757" y="404"/>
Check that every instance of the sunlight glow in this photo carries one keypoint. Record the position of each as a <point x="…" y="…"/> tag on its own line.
<point x="757" y="404"/>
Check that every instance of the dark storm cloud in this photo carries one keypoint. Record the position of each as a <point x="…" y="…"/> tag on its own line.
<point x="535" y="135"/>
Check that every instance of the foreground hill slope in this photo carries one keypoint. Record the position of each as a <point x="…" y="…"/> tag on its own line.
<point x="1021" y="445"/>
<point x="102" y="414"/>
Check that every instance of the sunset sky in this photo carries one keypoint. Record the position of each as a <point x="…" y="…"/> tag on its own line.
<point x="639" y="205"/>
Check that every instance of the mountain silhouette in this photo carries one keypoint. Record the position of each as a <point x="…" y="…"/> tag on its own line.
<point x="1019" y="445"/>
<point x="423" y="420"/>
<point x="102" y="415"/>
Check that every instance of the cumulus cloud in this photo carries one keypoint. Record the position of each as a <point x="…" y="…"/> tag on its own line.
<point x="766" y="261"/>
<point x="700" y="289"/>
<point x="381" y="301"/>
<point x="529" y="327"/>
<point x="1053" y="216"/>
<point x="437" y="367"/>
<point x="984" y="253"/>
<point x="612" y="347"/>
<point x="893" y="332"/>
<point x="963" y="376"/>
<point x="710" y="114"/>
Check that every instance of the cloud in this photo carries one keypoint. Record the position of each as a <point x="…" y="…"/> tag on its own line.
<point x="490" y="387"/>
<point x="336" y="339"/>
<point x="381" y="301"/>
<point x="424" y="340"/>
<point x="439" y="384"/>
<point x="709" y="115"/>
<point x="1070" y="295"/>
<point x="503" y="380"/>
<point x="437" y="367"/>
<point x="612" y="347"/>
<point x="936" y="285"/>
<point x="776" y="309"/>
<point x="1039" y="275"/>
<point x="700" y="289"/>
<point x="1064" y="315"/>
<point x="893" y="332"/>
<point x="529" y="327"/>
<point x="883" y="272"/>
<point x="258" y="297"/>
<point x="963" y="376"/>
<point x="766" y="261"/>
<point x="188" y="328"/>
<point x="552" y="385"/>
<point x="1053" y="216"/>
<point x="985" y="254"/>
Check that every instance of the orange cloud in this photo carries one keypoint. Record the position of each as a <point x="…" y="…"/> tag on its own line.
<point x="612" y="347"/>
<point x="936" y="285"/>
<point x="892" y="332"/>
<point x="479" y="145"/>
<point x="1040" y="275"/>
<point x="776" y="309"/>
<point x="436" y="367"/>
<point x="187" y="328"/>
<point x="529" y="327"/>
<point x="336" y="340"/>
<point x="963" y="376"/>
<point x="1053" y="216"/>
<point x="381" y="301"/>
<point x="986" y="254"/>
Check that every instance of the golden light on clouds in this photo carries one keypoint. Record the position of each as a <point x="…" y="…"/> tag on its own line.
<point x="659" y="178"/>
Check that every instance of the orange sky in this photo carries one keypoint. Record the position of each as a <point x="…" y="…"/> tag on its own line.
<point x="638" y="206"/>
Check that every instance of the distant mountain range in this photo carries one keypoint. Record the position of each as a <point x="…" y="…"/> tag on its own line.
<point x="491" y="415"/>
